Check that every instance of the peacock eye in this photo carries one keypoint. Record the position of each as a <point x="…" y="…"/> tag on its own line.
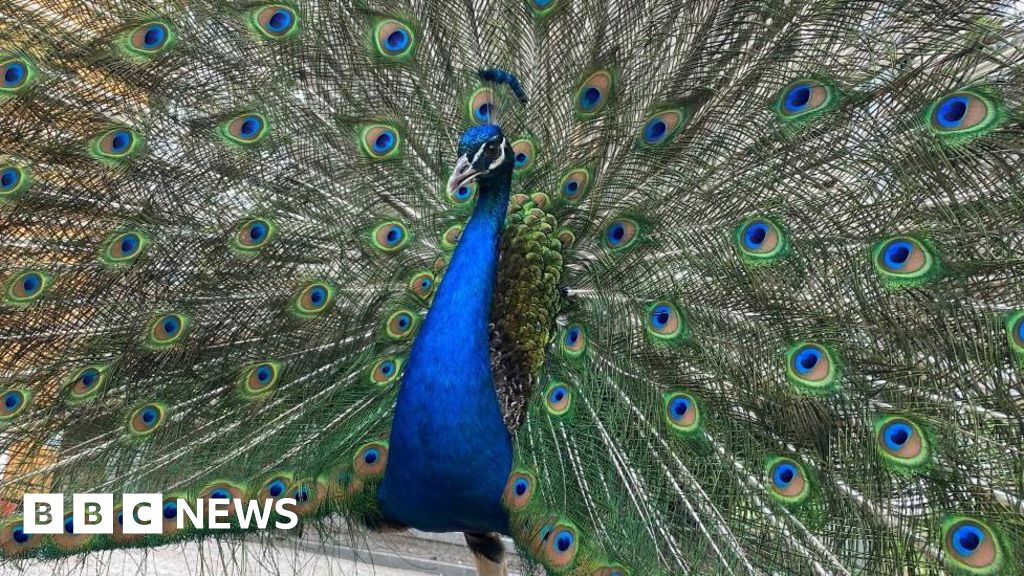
<point x="492" y="150"/>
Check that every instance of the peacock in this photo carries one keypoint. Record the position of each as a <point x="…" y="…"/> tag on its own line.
<point x="654" y="287"/>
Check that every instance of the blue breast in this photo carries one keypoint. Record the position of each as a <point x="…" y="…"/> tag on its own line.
<point x="450" y="454"/>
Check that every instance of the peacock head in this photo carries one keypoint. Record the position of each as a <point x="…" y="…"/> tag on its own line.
<point x="484" y="155"/>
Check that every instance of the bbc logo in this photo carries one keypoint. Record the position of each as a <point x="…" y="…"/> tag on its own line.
<point x="146" y="514"/>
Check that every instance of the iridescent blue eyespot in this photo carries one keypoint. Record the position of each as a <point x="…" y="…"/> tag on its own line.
<point x="620" y="234"/>
<point x="220" y="493"/>
<point x="9" y="178"/>
<point x="806" y="359"/>
<point x="371" y="455"/>
<point x="951" y="111"/>
<point x="276" y="488"/>
<point x="170" y="510"/>
<point x="755" y="235"/>
<point x="14" y="74"/>
<point x="69" y="525"/>
<point x="797" y="97"/>
<point x="967" y="538"/>
<point x="274" y="21"/>
<point x="897" y="253"/>
<point x="18" y="534"/>
<point x="784" y="474"/>
<point x="896" y="435"/>
<point x="593" y="94"/>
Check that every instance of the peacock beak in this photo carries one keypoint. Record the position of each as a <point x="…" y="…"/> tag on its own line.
<point x="463" y="174"/>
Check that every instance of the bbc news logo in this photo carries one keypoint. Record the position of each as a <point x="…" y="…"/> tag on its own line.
<point x="149" y="513"/>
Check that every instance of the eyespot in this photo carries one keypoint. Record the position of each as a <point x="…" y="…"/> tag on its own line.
<point x="28" y="286"/>
<point x="523" y="151"/>
<point x="901" y="442"/>
<point x="167" y="329"/>
<point x="519" y="490"/>
<point x="482" y="106"/>
<point x="787" y="481"/>
<point x="541" y="7"/>
<point x="574" y="184"/>
<point x="276" y="486"/>
<point x="313" y="299"/>
<point x="385" y="370"/>
<point x="566" y="238"/>
<point x="14" y="541"/>
<point x="380" y="141"/>
<point x="574" y="340"/>
<point x="87" y="382"/>
<point x="12" y="403"/>
<point x="760" y="241"/>
<point x="972" y="546"/>
<point x="68" y="540"/>
<point x="149" y="39"/>
<point x="682" y="412"/>
<point x="1015" y="335"/>
<point x="422" y="284"/>
<point x="253" y="234"/>
<point x="123" y="248"/>
<point x="15" y="75"/>
<point x="275" y="21"/>
<point x="804" y="99"/>
<point x="593" y="94"/>
<point x="613" y="570"/>
<point x="664" y="321"/>
<point x="904" y="261"/>
<point x="260" y="378"/>
<point x="371" y="459"/>
<point x="963" y="114"/>
<point x="146" y="419"/>
<point x="811" y="368"/>
<point x="451" y="236"/>
<point x="244" y="129"/>
<point x="115" y="144"/>
<point x="393" y="39"/>
<point x="401" y="324"/>
<point x="560" y="546"/>
<point x="557" y="398"/>
<point x="620" y="234"/>
<point x="390" y="236"/>
<point x="661" y="127"/>
<point x="463" y="194"/>
<point x="223" y="490"/>
<point x="13" y="180"/>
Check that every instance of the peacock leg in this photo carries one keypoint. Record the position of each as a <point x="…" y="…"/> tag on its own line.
<point x="488" y="553"/>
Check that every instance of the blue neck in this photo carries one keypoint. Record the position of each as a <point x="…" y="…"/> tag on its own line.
<point x="450" y="454"/>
